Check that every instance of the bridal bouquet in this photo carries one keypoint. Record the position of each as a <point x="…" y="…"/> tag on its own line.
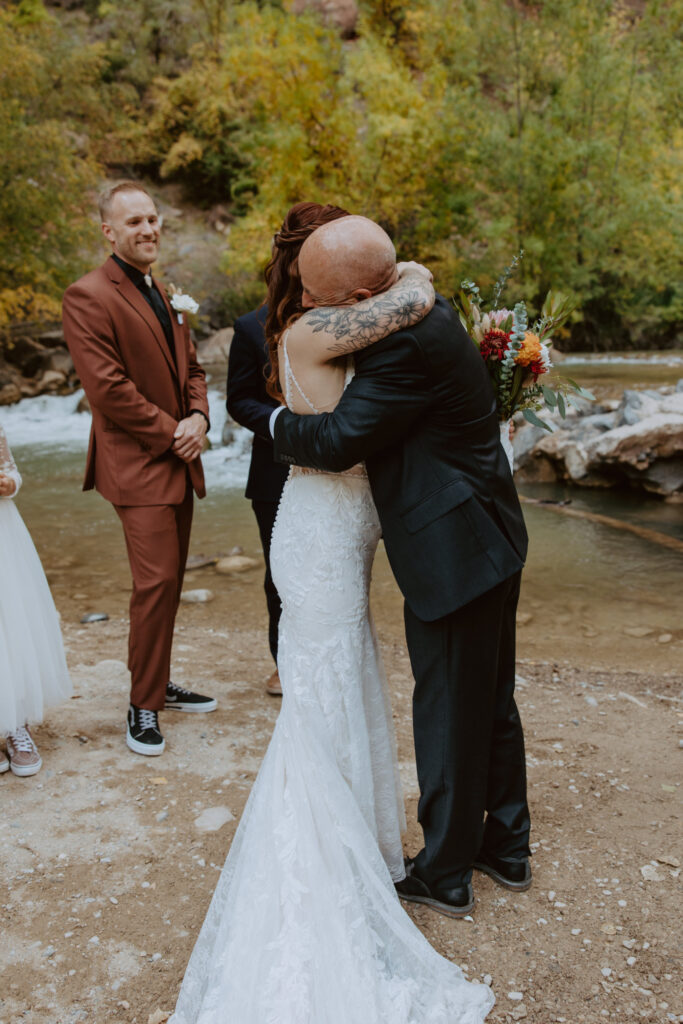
<point x="516" y="354"/>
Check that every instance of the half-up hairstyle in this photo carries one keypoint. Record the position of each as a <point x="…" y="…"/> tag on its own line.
<point x="282" y="276"/>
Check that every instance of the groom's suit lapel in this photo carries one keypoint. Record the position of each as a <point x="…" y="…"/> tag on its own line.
<point x="132" y="296"/>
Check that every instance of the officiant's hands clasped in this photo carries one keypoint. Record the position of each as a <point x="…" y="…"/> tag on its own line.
<point x="189" y="437"/>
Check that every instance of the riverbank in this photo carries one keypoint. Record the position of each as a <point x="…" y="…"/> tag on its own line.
<point x="108" y="868"/>
<point x="110" y="859"/>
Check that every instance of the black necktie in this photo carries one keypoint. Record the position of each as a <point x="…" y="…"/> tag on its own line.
<point x="149" y="290"/>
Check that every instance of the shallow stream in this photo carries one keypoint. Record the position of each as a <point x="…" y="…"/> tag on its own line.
<point x="588" y="591"/>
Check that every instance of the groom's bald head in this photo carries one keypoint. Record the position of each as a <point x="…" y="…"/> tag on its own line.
<point x="346" y="260"/>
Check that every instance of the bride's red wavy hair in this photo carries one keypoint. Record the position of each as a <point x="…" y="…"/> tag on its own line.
<point x="282" y="276"/>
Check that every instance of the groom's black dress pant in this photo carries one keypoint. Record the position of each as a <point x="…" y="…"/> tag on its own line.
<point x="469" y="744"/>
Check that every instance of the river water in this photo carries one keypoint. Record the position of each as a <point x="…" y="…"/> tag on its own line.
<point x="587" y="587"/>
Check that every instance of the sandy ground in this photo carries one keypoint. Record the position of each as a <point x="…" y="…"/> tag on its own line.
<point x="109" y="860"/>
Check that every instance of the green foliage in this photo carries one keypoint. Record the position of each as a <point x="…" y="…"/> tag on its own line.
<point x="46" y="92"/>
<point x="469" y="128"/>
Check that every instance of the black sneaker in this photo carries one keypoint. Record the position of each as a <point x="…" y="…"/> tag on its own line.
<point x="179" y="699"/>
<point x="143" y="735"/>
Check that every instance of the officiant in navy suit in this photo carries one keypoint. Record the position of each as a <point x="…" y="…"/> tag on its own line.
<point x="250" y="405"/>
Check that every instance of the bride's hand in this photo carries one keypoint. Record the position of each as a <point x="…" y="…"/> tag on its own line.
<point x="411" y="267"/>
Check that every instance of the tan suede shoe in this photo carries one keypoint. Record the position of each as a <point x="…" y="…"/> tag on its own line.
<point x="24" y="758"/>
<point x="273" y="686"/>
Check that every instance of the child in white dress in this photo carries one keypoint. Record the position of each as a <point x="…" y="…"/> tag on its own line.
<point x="33" y="672"/>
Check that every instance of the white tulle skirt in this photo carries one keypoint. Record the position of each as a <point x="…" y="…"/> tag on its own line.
<point x="33" y="672"/>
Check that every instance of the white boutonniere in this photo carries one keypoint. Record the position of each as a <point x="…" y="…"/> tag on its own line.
<point x="182" y="303"/>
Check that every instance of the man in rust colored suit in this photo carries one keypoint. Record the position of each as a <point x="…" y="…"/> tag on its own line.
<point x="147" y="392"/>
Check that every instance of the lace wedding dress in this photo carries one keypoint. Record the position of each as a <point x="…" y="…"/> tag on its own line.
<point x="33" y="672"/>
<point x="305" y="926"/>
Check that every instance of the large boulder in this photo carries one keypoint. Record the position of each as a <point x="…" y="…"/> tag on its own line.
<point x="216" y="348"/>
<point x="37" y="361"/>
<point x="636" y="442"/>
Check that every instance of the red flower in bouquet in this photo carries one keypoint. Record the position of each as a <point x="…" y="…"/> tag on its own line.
<point x="494" y="344"/>
<point x="517" y="357"/>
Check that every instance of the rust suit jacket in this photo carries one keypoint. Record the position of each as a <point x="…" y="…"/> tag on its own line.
<point x="136" y="391"/>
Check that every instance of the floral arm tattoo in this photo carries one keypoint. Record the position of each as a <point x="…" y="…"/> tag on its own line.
<point x="357" y="326"/>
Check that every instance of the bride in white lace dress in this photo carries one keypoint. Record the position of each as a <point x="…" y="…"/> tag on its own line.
<point x="305" y="926"/>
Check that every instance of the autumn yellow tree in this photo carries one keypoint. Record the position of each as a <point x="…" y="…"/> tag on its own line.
<point x="47" y="93"/>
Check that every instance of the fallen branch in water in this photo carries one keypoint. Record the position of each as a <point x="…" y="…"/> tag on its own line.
<point x="663" y="539"/>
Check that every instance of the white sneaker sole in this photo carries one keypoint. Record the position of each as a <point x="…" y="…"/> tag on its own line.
<point x="24" y="770"/>
<point x="4" y="765"/>
<point x="146" y="749"/>
<point x="210" y="705"/>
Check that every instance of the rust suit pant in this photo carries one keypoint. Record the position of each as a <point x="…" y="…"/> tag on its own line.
<point x="157" y="539"/>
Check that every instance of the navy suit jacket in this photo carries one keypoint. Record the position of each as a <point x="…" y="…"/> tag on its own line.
<point x="250" y="405"/>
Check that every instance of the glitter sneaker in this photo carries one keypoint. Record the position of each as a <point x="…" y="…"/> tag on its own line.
<point x="24" y="758"/>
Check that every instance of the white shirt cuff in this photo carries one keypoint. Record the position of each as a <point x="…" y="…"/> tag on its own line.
<point x="273" y="416"/>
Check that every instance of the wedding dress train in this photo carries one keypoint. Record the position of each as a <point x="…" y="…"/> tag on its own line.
<point x="305" y="926"/>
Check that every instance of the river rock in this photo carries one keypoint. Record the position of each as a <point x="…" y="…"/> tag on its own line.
<point x="199" y="596"/>
<point x="51" y="380"/>
<point x="200" y="561"/>
<point x="60" y="360"/>
<point x="9" y="393"/>
<point x="638" y="442"/>
<point x="26" y="353"/>
<point x="159" y="1016"/>
<point x="213" y="819"/>
<point x="236" y="563"/>
<point x="216" y="348"/>
<point x="37" y="362"/>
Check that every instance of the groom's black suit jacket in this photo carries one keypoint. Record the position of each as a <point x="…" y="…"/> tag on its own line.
<point x="421" y="413"/>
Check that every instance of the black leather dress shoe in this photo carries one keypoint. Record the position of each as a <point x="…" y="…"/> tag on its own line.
<point x="511" y="874"/>
<point x="455" y="902"/>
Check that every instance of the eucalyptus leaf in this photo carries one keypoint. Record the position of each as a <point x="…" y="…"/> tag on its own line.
<point x="531" y="417"/>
